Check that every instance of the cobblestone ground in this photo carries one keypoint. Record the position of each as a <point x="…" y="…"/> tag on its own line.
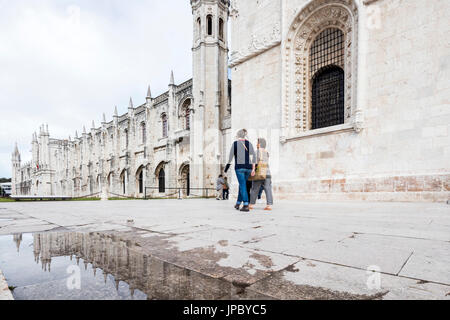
<point x="301" y="250"/>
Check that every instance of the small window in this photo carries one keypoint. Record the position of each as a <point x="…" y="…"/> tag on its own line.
<point x="164" y="126"/>
<point x="126" y="137"/>
<point x="210" y="25"/>
<point x="199" y="27"/>
<point x="188" y="120"/>
<point x="144" y="132"/>
<point x="221" y="29"/>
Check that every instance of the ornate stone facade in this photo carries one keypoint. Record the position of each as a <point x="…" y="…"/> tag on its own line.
<point x="155" y="147"/>
<point x="393" y="143"/>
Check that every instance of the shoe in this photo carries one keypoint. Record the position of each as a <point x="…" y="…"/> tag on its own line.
<point x="245" y="209"/>
<point x="237" y="207"/>
<point x="251" y="207"/>
<point x="268" y="208"/>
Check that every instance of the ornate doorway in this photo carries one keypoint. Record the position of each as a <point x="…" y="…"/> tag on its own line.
<point x="184" y="180"/>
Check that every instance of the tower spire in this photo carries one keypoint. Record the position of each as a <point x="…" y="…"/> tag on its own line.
<point x="149" y="93"/>
<point x="172" y="79"/>
<point x="130" y="105"/>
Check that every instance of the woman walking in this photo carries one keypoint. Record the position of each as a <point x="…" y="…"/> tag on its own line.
<point x="262" y="178"/>
<point x="245" y="162"/>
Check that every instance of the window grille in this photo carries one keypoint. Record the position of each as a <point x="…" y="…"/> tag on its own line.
<point x="327" y="76"/>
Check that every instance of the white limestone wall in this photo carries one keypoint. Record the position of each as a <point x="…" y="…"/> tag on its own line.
<point x="403" y="152"/>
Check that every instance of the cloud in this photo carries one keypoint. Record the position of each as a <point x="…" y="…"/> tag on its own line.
<point x="66" y="63"/>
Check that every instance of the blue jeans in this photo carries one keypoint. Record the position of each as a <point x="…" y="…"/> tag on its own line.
<point x="242" y="176"/>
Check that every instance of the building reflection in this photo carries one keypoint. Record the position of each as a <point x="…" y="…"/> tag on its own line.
<point x="125" y="261"/>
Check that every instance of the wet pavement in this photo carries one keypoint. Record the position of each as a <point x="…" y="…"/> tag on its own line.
<point x="200" y="249"/>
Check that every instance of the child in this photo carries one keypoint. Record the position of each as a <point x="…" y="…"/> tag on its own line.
<point x="226" y="189"/>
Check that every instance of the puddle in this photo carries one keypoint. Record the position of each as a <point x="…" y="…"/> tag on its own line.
<point x="6" y="219"/>
<point x="97" y="266"/>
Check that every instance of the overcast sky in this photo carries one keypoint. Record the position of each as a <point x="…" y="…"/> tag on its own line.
<point x="65" y="63"/>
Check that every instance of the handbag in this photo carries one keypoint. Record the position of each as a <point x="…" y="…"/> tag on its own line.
<point x="261" y="171"/>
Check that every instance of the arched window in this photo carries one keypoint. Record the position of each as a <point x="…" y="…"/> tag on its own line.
<point x="322" y="37"/>
<point x="209" y="25"/>
<point x="162" y="181"/>
<point x="326" y="61"/>
<point x="110" y="180"/>
<point x="188" y="120"/>
<point x="123" y="181"/>
<point x="125" y="138"/>
<point x="140" y="179"/>
<point x="164" y="126"/>
<point x="199" y="28"/>
<point x="328" y="97"/>
<point x="221" y="29"/>
<point x="141" y="182"/>
<point x="144" y="132"/>
<point x="184" y="180"/>
<point x="184" y="112"/>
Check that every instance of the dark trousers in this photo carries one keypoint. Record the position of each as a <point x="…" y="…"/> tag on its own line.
<point x="226" y="194"/>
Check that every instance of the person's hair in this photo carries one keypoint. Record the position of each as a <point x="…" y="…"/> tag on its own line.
<point x="262" y="143"/>
<point x="241" y="134"/>
<point x="220" y="176"/>
<point x="226" y="178"/>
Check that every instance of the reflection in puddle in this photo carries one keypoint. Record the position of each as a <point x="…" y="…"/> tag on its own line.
<point x="109" y="268"/>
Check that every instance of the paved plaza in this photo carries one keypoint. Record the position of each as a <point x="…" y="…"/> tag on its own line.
<point x="301" y="250"/>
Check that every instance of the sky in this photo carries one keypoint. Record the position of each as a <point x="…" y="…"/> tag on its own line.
<point x="65" y="63"/>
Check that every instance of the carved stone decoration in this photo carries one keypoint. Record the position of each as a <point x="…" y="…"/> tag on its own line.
<point x="257" y="45"/>
<point x="306" y="26"/>
<point x="234" y="10"/>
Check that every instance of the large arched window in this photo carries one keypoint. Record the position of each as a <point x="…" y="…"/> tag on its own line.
<point x="164" y="126"/>
<point x="209" y="20"/>
<point x="327" y="79"/>
<point x="320" y="68"/>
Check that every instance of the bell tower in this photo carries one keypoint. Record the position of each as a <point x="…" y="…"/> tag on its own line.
<point x="210" y="88"/>
<point x="15" y="161"/>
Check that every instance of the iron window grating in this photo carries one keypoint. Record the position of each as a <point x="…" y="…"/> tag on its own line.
<point x="327" y="49"/>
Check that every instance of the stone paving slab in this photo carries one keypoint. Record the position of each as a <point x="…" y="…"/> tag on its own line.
<point x="409" y="242"/>
<point x="5" y="293"/>
<point x="316" y="280"/>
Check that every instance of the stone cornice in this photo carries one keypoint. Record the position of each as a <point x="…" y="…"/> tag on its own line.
<point x="238" y="58"/>
<point x="258" y="45"/>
